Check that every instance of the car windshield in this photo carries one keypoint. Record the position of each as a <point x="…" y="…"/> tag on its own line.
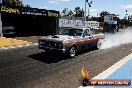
<point x="72" y="32"/>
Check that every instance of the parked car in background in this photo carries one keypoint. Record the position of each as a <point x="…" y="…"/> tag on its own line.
<point x="71" y="40"/>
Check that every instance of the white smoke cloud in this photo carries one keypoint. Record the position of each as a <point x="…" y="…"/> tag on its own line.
<point x="112" y="40"/>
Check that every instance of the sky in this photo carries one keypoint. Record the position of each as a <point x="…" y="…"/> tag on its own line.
<point x="117" y="7"/>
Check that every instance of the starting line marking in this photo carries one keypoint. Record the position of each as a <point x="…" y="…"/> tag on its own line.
<point x="17" y="46"/>
<point x="111" y="69"/>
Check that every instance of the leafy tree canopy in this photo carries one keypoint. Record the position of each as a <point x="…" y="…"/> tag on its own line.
<point x="79" y="12"/>
<point x="14" y="3"/>
<point x="103" y="13"/>
<point x="67" y="12"/>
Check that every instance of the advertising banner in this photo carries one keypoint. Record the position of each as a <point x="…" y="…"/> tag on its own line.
<point x="28" y="11"/>
<point x="78" y="23"/>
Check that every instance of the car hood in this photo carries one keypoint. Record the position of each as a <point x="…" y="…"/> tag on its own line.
<point x="60" y="37"/>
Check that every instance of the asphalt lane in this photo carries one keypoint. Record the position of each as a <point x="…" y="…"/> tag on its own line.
<point x="29" y="67"/>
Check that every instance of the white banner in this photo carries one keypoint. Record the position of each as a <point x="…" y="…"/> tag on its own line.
<point x="77" y="23"/>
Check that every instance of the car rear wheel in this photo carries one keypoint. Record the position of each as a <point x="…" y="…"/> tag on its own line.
<point x="72" y="51"/>
<point x="99" y="44"/>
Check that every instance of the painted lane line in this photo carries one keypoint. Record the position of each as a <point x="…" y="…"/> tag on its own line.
<point x="4" y="48"/>
<point x="111" y="69"/>
<point x="35" y="44"/>
<point x="10" y="47"/>
<point x="27" y="45"/>
<point x="18" y="46"/>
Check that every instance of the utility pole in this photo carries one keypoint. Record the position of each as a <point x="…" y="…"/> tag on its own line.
<point x="88" y="14"/>
<point x="1" y="34"/>
<point x="89" y="5"/>
<point x="85" y="10"/>
<point x="126" y="15"/>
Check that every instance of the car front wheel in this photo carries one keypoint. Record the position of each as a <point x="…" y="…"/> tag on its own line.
<point x="72" y="52"/>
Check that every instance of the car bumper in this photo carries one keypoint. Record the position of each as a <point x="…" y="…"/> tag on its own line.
<point x="52" y="49"/>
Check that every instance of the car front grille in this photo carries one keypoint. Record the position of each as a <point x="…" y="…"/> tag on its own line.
<point x="50" y="44"/>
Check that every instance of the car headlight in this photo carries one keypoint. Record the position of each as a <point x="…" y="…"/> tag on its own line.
<point x="55" y="44"/>
<point x="41" y="42"/>
<point x="60" y="45"/>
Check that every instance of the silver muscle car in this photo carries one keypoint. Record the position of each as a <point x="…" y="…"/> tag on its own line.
<point x="71" y="40"/>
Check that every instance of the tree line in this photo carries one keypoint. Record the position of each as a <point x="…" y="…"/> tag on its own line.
<point x="14" y="3"/>
<point x="79" y="12"/>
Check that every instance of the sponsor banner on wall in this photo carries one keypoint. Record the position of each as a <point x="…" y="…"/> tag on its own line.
<point x="28" y="11"/>
<point x="78" y="23"/>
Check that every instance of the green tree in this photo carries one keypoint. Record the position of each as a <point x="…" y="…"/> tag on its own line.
<point x="79" y="12"/>
<point x="28" y="6"/>
<point x="64" y="12"/>
<point x="103" y="13"/>
<point x="13" y="2"/>
<point x="67" y="12"/>
<point x="70" y="13"/>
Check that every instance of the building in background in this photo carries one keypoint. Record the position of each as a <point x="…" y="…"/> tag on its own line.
<point x="110" y="23"/>
<point x="28" y="21"/>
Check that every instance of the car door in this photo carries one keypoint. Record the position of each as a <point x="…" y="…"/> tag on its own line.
<point x="89" y="38"/>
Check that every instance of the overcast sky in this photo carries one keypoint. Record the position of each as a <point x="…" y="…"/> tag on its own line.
<point x="117" y="7"/>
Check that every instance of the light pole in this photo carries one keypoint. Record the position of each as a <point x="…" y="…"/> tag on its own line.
<point x="126" y="14"/>
<point x="1" y="34"/>
<point x="88" y="14"/>
<point x="89" y="5"/>
<point x="85" y="10"/>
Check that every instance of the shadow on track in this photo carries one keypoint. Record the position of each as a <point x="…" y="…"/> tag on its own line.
<point x="55" y="57"/>
<point x="49" y="57"/>
<point x="85" y="51"/>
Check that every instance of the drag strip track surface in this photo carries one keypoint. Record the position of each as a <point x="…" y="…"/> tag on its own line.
<point x="30" y="67"/>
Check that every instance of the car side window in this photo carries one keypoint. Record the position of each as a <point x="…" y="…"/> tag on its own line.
<point x="86" y="33"/>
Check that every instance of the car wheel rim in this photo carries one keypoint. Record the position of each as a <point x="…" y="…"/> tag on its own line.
<point x="72" y="52"/>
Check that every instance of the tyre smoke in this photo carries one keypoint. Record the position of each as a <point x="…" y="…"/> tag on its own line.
<point x="112" y="40"/>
